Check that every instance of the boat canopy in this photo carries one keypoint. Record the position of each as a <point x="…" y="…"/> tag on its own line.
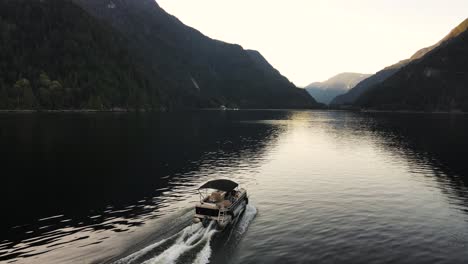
<point x="222" y="185"/>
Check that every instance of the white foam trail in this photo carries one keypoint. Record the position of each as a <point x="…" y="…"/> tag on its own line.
<point x="187" y="239"/>
<point x="140" y="253"/>
<point x="249" y="215"/>
<point x="243" y="224"/>
<point x="171" y="254"/>
<point x="135" y="256"/>
<point x="204" y="256"/>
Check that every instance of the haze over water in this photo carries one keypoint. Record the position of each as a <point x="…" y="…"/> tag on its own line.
<point x="325" y="187"/>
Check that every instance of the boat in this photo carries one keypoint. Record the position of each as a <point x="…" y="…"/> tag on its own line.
<point x="221" y="201"/>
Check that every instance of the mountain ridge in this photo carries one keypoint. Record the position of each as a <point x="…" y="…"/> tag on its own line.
<point x="127" y="54"/>
<point x="437" y="81"/>
<point x="225" y="73"/>
<point x="367" y="84"/>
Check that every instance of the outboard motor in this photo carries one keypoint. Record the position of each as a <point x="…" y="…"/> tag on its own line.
<point x="206" y="222"/>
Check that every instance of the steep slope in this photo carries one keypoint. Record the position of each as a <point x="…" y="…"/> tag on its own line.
<point x="190" y="68"/>
<point x="324" y="92"/>
<point x="379" y="77"/>
<point x="301" y="97"/>
<point x="351" y="96"/>
<point x="54" y="55"/>
<point x="436" y="82"/>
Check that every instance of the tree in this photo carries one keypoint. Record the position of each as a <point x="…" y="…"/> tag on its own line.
<point x="95" y="103"/>
<point x="56" y="94"/>
<point x="3" y="98"/>
<point x="68" y="97"/>
<point x="29" y="99"/>
<point x="44" y="80"/>
<point x="24" y="95"/>
<point x="44" y="94"/>
<point x="44" y="98"/>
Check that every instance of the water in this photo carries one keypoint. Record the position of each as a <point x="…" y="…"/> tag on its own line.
<point x="325" y="187"/>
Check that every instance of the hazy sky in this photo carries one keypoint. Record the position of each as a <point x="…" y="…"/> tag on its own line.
<point x="312" y="40"/>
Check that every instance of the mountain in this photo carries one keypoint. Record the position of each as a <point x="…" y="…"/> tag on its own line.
<point x="274" y="75"/>
<point x="438" y="81"/>
<point x="102" y="54"/>
<point x="190" y="69"/>
<point x="324" y="92"/>
<point x="54" y="55"/>
<point x="368" y="84"/>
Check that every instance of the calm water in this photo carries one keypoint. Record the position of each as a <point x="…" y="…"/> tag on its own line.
<point x="325" y="187"/>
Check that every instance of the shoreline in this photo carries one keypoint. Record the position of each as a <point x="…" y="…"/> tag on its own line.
<point x="414" y="112"/>
<point x="146" y="111"/>
<point x="31" y="111"/>
<point x="64" y="111"/>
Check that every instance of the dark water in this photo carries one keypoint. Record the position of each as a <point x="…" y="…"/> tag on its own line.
<point x="326" y="187"/>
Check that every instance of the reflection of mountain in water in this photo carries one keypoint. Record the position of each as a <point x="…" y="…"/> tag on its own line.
<point x="437" y="141"/>
<point x="432" y="145"/>
<point x="113" y="171"/>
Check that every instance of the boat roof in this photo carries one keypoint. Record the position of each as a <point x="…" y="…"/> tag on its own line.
<point x="222" y="185"/>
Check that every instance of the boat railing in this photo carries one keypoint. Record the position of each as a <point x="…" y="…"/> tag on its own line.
<point x="222" y="215"/>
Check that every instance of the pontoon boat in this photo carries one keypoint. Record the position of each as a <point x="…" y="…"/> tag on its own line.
<point x="221" y="201"/>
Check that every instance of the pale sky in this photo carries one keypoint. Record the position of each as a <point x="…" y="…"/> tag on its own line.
<point x="312" y="40"/>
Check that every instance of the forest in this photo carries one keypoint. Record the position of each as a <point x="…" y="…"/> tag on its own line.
<point x="53" y="55"/>
<point x="82" y="54"/>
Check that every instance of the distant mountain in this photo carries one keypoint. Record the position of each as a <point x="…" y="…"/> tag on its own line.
<point x="350" y="97"/>
<point x="101" y="54"/>
<point x="190" y="69"/>
<point x="437" y="81"/>
<point x="324" y="92"/>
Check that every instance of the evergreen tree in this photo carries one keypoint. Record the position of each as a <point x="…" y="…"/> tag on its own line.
<point x="29" y="99"/>
<point x="44" y="80"/>
<point x="45" y="98"/>
<point x="95" y="103"/>
<point x="3" y="98"/>
<point x="23" y="94"/>
<point x="56" y="94"/>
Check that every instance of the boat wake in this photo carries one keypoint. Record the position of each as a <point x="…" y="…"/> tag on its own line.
<point x="192" y="244"/>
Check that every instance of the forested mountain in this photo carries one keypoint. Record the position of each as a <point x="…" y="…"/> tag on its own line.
<point x="196" y="70"/>
<point x="436" y="82"/>
<point x="62" y="54"/>
<point x="325" y="91"/>
<point x="53" y="55"/>
<point x="365" y="85"/>
<point x="373" y="81"/>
